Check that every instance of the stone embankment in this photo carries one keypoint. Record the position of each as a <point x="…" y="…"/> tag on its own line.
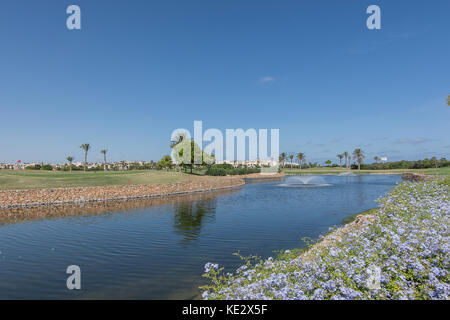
<point x="54" y="211"/>
<point x="264" y="176"/>
<point x="39" y="197"/>
<point x="415" y="177"/>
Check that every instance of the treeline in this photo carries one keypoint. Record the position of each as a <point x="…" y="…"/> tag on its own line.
<point x="162" y="164"/>
<point x="228" y="169"/>
<point x="404" y="164"/>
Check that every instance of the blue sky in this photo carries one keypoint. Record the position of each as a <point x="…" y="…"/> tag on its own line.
<point x="139" y="69"/>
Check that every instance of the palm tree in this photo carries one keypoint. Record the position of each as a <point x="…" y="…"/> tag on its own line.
<point x="340" y="156"/>
<point x="376" y="159"/>
<point x="104" y="151"/>
<point x="359" y="155"/>
<point x="291" y="156"/>
<point x="349" y="161"/>
<point x="70" y="159"/>
<point x="86" y="148"/>
<point x="301" y="159"/>
<point x="283" y="156"/>
<point x="346" y="158"/>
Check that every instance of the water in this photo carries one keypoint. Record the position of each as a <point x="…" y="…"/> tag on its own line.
<point x="156" y="249"/>
<point x="305" y="182"/>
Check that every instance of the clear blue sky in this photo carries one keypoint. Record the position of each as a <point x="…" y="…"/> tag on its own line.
<point x="139" y="69"/>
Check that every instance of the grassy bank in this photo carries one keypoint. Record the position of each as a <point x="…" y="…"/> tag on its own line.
<point x="399" y="251"/>
<point x="314" y="171"/>
<point x="30" y="179"/>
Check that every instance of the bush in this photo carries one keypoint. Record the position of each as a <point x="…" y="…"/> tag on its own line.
<point x="35" y="167"/>
<point x="403" y="164"/>
<point x="212" y="171"/>
<point x="228" y="169"/>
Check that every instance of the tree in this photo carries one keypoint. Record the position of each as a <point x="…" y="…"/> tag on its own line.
<point x="376" y="159"/>
<point x="434" y="162"/>
<point x="291" y="156"/>
<point x="358" y="154"/>
<point x="186" y="152"/>
<point x="165" y="162"/>
<point x="86" y="148"/>
<point x="104" y="151"/>
<point x="70" y="159"/>
<point x="328" y="162"/>
<point x="282" y="158"/>
<point x="448" y="100"/>
<point x="174" y="143"/>
<point x="340" y="156"/>
<point x="301" y="159"/>
<point x="347" y="161"/>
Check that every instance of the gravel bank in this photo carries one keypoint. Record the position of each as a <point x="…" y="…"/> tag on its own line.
<point x="39" y="197"/>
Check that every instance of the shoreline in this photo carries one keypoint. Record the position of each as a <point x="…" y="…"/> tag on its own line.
<point x="77" y="195"/>
<point x="340" y="264"/>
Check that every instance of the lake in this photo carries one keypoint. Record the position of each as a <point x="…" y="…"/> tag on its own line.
<point x="156" y="248"/>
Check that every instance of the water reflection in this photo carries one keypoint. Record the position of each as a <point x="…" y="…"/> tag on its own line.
<point x="190" y="216"/>
<point x="181" y="203"/>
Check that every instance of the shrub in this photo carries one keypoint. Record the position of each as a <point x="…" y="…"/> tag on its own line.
<point x="212" y="171"/>
<point x="35" y="167"/>
<point x="228" y="169"/>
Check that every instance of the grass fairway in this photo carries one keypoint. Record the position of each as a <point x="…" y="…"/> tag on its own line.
<point x="439" y="171"/>
<point x="30" y="179"/>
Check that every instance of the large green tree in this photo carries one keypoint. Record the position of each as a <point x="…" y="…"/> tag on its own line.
<point x="86" y="148"/>
<point x="358" y="154"/>
<point x="187" y="153"/>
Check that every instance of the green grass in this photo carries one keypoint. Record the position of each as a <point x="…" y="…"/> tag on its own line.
<point x="30" y="179"/>
<point x="439" y="171"/>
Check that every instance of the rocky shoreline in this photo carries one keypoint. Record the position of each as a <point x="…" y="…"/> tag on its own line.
<point x="128" y="206"/>
<point x="42" y="197"/>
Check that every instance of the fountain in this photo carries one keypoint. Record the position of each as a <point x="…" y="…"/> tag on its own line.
<point x="305" y="182"/>
<point x="346" y="174"/>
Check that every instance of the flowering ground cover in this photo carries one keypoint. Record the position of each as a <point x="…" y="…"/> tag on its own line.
<point x="398" y="252"/>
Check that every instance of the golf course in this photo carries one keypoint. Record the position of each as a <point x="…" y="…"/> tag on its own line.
<point x="322" y="170"/>
<point x="35" y="179"/>
<point x="40" y="179"/>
